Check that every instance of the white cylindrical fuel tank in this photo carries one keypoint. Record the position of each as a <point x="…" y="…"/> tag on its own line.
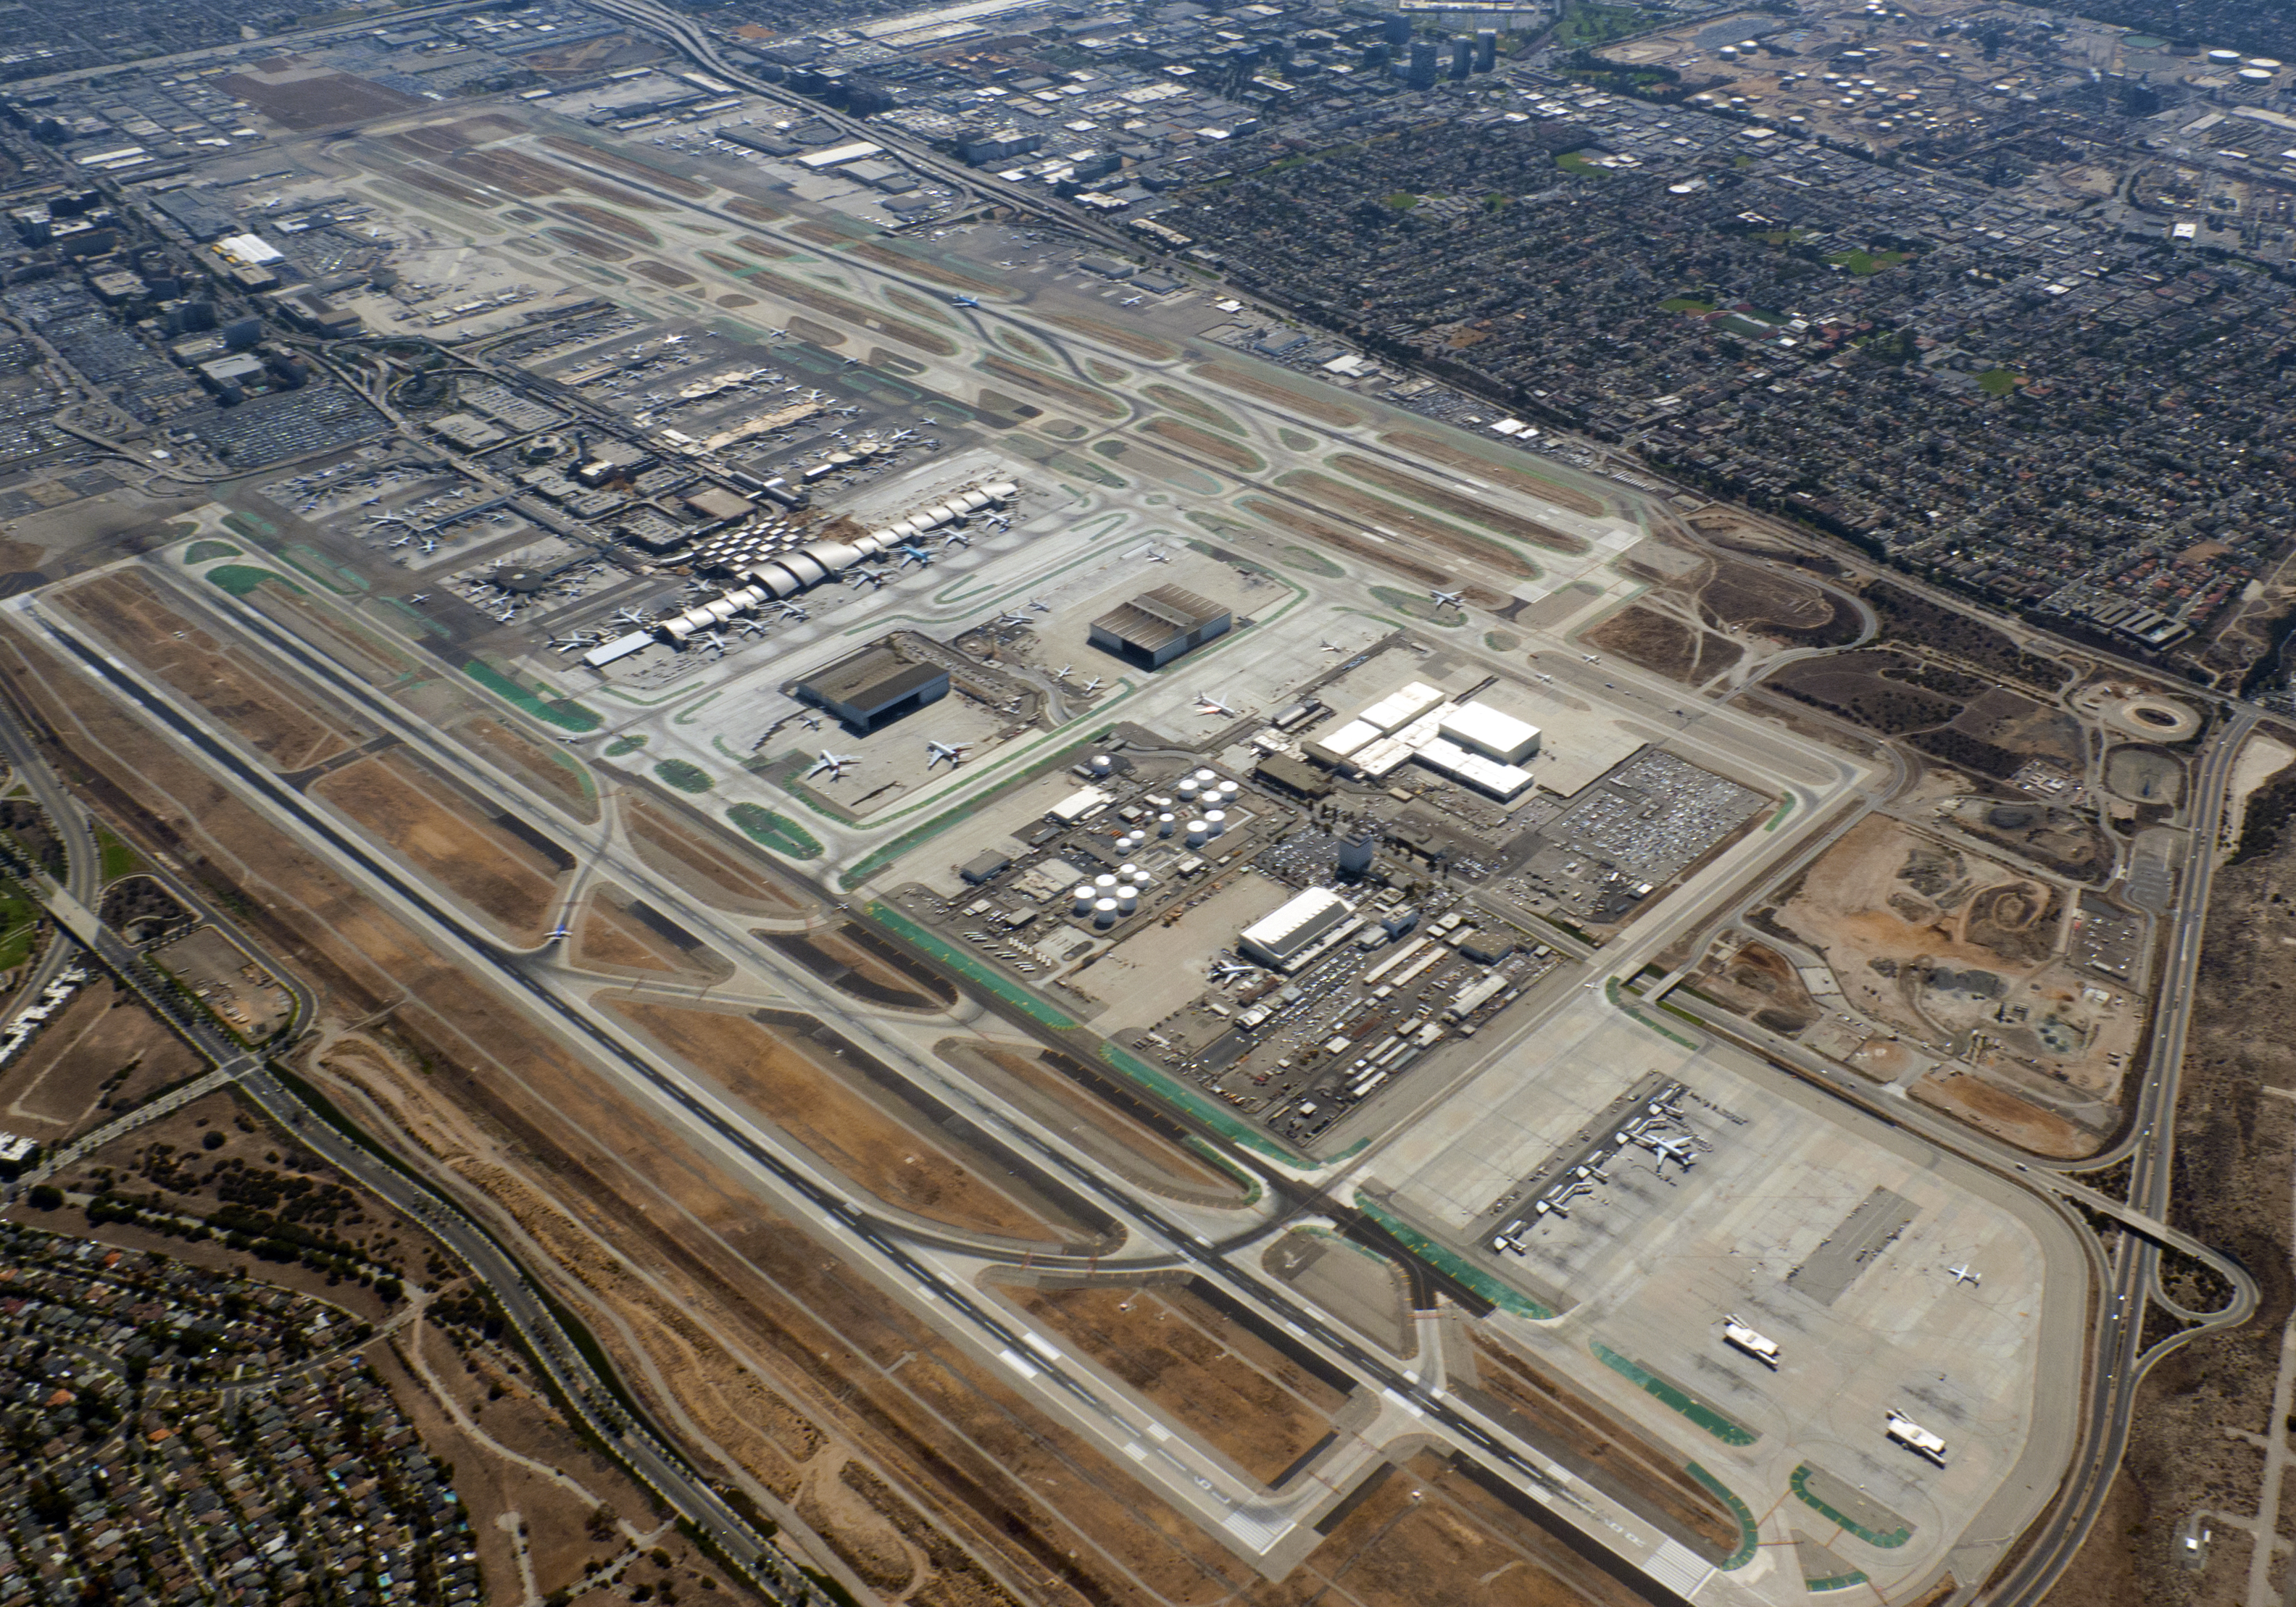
<point x="1101" y="764"/>
<point x="1198" y="831"/>
<point x="1165" y="824"/>
<point x="1190" y="787"/>
<point x="1207" y="778"/>
<point x="1103" y="912"/>
<point x="1215" y="821"/>
<point x="1081" y="900"/>
<point x="1127" y="900"/>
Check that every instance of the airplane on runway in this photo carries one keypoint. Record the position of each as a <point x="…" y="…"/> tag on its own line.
<point x="1206" y="704"/>
<point x="834" y="763"/>
<point x="964" y="301"/>
<point x="954" y="752"/>
<point x="561" y="930"/>
<point x="420" y="597"/>
<point x="915" y="555"/>
<point x="1963" y="1275"/>
<point x="1593" y="658"/>
<point x="1450" y="599"/>
<point x="1094" y="685"/>
<point x="778" y="334"/>
<point x="1157" y="555"/>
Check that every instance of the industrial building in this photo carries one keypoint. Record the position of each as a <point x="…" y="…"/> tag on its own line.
<point x="1156" y="627"/>
<point x="1470" y="742"/>
<point x="874" y="687"/>
<point x="1299" y="930"/>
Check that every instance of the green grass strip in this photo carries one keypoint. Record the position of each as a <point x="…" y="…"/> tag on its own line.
<point x="1840" y="1581"/>
<point x="1727" y="1429"/>
<point x="1501" y="1294"/>
<point x="1888" y="1540"/>
<point x="1218" y="1117"/>
<point x="1749" y="1539"/>
<point x="777" y="832"/>
<point x="561" y="712"/>
<point x="1610" y="989"/>
<point x="206" y="553"/>
<point x="241" y="580"/>
<point x="971" y="967"/>
<point x="1779" y="819"/>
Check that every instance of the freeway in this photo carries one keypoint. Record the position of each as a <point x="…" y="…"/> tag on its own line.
<point x="2122" y="1359"/>
<point x="1247" y="1519"/>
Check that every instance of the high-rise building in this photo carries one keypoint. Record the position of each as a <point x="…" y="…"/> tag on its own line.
<point x="1374" y="57"/>
<point x="1398" y="29"/>
<point x="1487" y="49"/>
<point x="1423" y="64"/>
<point x="1463" y="56"/>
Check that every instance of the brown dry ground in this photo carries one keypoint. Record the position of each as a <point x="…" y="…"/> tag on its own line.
<point x="1186" y="402"/>
<point x="1388" y="555"/>
<point x="1428" y="1535"/>
<point x="1593" y="1442"/>
<point x="741" y="1330"/>
<point x="1254" y="382"/>
<point x="1146" y="347"/>
<point x="1206" y="1374"/>
<point x="856" y="961"/>
<point x="1098" y="403"/>
<point x="2235" y="1141"/>
<point x="410" y="807"/>
<point x="1227" y="453"/>
<point x="287" y="726"/>
<point x="756" y="210"/>
<point x="662" y="273"/>
<point x="323" y="102"/>
<point x="803" y="294"/>
<point x="2002" y="1114"/>
<point x="1664" y="646"/>
<point x="1758" y="982"/>
<point x="1459" y="504"/>
<point x="633" y="166"/>
<point x="1359" y="504"/>
<point x="589" y="245"/>
<point x="550" y="772"/>
<point x="1782" y="606"/>
<point x="1435" y="449"/>
<point x="62" y="1082"/>
<point x="709" y="869"/>
<point x="609" y="937"/>
<point x="785" y="1080"/>
<point x="612" y="223"/>
<point x="952" y="274"/>
<point x="1116" y="1139"/>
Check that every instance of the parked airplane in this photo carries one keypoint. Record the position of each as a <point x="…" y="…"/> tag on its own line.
<point x="954" y="752"/>
<point x="874" y="577"/>
<point x="404" y="540"/>
<point x="429" y="544"/>
<point x="1040" y="606"/>
<point x="1092" y="686"/>
<point x="915" y="555"/>
<point x="1449" y="599"/>
<point x="790" y="610"/>
<point x="1227" y="970"/>
<point x="956" y="538"/>
<point x="1157" y="555"/>
<point x="1014" y="620"/>
<point x="834" y="763"/>
<point x="420" y="597"/>
<point x="1963" y="1275"/>
<point x="753" y="627"/>
<point x="1331" y="647"/>
<point x="1206" y="704"/>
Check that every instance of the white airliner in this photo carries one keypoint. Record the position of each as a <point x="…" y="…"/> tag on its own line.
<point x="834" y="763"/>
<point x="1206" y="704"/>
<point x="1963" y="1275"/>
<point x="954" y="752"/>
<point x="1450" y="599"/>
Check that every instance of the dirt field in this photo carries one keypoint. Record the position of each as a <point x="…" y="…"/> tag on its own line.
<point x="714" y="873"/>
<point x="1305" y="399"/>
<point x="1322" y="532"/>
<point x="1361" y="506"/>
<point x="1226" y="453"/>
<point x="297" y="94"/>
<point x="1784" y="608"/>
<point x="2188" y="1447"/>
<point x="612" y="223"/>
<point x="103" y="1050"/>
<point x="1116" y="1139"/>
<point x="1098" y="403"/>
<point x="1457" y="504"/>
<point x="1435" y="449"/>
<point x="856" y="960"/>
<point x="1428" y="1534"/>
<point x="408" y="807"/>
<point x="662" y="273"/>
<point x="1758" y="982"/>
<point x="610" y="935"/>
<point x="552" y="773"/>
<point x="955" y="274"/>
<point x="784" y="1081"/>
<point x="1596" y="1445"/>
<point x="2004" y="1115"/>
<point x="1208" y="1374"/>
<point x="590" y="245"/>
<point x="1667" y="646"/>
<point x="804" y="293"/>
<point x="1146" y="347"/>
<point x="736" y="1317"/>
<point x="637" y="169"/>
<point x="285" y="725"/>
<point x="1193" y="406"/>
